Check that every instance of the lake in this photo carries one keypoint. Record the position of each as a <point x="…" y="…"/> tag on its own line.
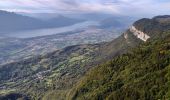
<point x="51" y="31"/>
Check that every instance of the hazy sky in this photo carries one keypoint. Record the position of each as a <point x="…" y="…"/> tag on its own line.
<point x="125" y="7"/>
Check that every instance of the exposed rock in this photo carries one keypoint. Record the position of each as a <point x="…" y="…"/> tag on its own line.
<point x="139" y="34"/>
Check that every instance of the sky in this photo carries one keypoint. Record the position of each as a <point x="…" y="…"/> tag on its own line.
<point x="123" y="7"/>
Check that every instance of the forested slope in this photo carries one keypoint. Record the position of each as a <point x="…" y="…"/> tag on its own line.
<point x="143" y="73"/>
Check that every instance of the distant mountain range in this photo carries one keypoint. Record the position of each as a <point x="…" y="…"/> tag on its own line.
<point x="106" y="20"/>
<point x="11" y="22"/>
<point x="85" y="16"/>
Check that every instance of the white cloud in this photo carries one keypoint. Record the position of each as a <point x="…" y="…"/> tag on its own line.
<point x="127" y="7"/>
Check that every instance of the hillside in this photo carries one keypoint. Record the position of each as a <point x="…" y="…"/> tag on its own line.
<point x="142" y="73"/>
<point x="58" y="70"/>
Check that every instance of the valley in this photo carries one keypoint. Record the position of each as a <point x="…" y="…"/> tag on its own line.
<point x="60" y="70"/>
<point x="51" y="31"/>
<point x="27" y="43"/>
<point x="54" y="59"/>
<point x="17" y="48"/>
<point x="84" y="50"/>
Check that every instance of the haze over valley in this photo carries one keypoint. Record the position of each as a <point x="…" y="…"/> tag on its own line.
<point x="84" y="50"/>
<point x="23" y="41"/>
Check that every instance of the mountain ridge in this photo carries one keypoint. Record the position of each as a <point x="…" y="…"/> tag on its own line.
<point x="142" y="73"/>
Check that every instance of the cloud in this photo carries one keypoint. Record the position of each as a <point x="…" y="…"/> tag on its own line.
<point x="125" y="7"/>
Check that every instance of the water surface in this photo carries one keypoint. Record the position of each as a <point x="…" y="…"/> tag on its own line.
<point x="51" y="31"/>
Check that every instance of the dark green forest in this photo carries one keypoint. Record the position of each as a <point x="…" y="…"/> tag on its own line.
<point x="143" y="73"/>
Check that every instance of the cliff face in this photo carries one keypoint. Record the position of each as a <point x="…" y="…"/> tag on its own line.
<point x="154" y="27"/>
<point x="139" y="34"/>
<point x="149" y="29"/>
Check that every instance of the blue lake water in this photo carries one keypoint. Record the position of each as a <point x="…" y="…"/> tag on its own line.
<point x="51" y="31"/>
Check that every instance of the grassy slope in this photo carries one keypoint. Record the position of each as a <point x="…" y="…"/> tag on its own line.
<point x="141" y="74"/>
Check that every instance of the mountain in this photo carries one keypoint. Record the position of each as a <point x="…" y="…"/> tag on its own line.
<point x="60" y="21"/>
<point x="11" y="22"/>
<point x="117" y="22"/>
<point x="54" y="75"/>
<point x="142" y="73"/>
<point x="14" y="22"/>
<point x="43" y="16"/>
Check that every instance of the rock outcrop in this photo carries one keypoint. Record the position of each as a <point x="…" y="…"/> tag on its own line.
<point x="139" y="34"/>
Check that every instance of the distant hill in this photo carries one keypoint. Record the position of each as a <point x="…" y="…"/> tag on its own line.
<point x="11" y="22"/>
<point x="106" y="20"/>
<point x="62" y="21"/>
<point x="86" y="16"/>
<point x="117" y="22"/>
